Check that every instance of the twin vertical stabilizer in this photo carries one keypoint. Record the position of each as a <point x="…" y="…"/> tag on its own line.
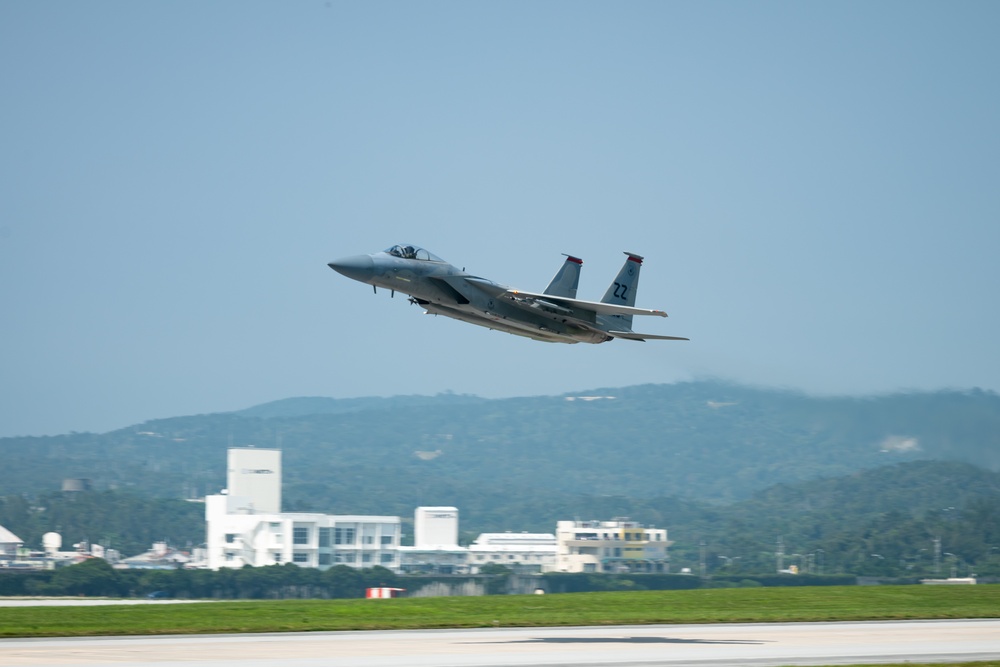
<point x="622" y="290"/>
<point x="567" y="279"/>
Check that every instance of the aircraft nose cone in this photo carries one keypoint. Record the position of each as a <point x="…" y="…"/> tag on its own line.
<point x="358" y="267"/>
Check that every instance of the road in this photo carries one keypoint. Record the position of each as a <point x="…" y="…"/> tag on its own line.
<point x="721" y="645"/>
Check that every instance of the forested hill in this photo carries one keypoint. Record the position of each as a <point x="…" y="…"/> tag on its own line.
<point x="904" y="513"/>
<point x="698" y="440"/>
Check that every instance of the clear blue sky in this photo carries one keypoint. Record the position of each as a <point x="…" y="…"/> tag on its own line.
<point x="815" y="187"/>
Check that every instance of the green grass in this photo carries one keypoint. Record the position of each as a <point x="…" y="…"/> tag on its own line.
<point x="985" y="663"/>
<point x="724" y="605"/>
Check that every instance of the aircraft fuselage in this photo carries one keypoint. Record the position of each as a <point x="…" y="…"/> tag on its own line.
<point x="442" y="289"/>
<point x="553" y="316"/>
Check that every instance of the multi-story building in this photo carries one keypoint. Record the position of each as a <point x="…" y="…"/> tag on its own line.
<point x="250" y="529"/>
<point x="619" y="545"/>
<point x="245" y="526"/>
<point x="436" y="550"/>
<point x="520" y="552"/>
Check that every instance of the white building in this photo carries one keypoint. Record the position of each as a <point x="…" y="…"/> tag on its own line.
<point x="435" y="543"/>
<point x="250" y="529"/>
<point x="435" y="527"/>
<point x="435" y="548"/>
<point x="255" y="474"/>
<point x="521" y="552"/>
<point x="610" y="546"/>
<point x="161" y="557"/>
<point x="9" y="544"/>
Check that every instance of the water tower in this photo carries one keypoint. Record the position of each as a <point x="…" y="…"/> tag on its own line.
<point x="51" y="542"/>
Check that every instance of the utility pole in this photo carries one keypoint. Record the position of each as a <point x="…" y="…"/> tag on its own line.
<point x="937" y="556"/>
<point x="780" y="554"/>
<point x="702" y="567"/>
<point x="954" y="564"/>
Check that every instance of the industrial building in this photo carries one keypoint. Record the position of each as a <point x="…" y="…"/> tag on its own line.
<point x="619" y="545"/>
<point x="245" y="524"/>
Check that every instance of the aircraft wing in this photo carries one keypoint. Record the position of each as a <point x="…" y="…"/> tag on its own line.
<point x="631" y="335"/>
<point x="447" y="288"/>
<point x="593" y="306"/>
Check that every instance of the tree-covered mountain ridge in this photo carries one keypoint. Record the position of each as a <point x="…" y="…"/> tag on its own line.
<point x="914" y="516"/>
<point x="702" y="440"/>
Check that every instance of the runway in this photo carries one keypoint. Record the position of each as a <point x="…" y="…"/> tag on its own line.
<point x="85" y="602"/>
<point x="722" y="645"/>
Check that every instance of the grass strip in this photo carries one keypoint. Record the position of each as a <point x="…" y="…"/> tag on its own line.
<point x="723" y="605"/>
<point x="983" y="663"/>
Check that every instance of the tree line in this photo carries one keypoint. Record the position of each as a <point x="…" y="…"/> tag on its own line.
<point x="95" y="577"/>
<point x="119" y="520"/>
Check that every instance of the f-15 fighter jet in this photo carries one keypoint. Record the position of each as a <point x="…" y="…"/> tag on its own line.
<point x="553" y="316"/>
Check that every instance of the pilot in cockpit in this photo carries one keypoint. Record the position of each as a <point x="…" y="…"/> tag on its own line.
<point x="403" y="251"/>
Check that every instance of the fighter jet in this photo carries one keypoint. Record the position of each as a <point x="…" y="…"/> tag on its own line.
<point x="552" y="316"/>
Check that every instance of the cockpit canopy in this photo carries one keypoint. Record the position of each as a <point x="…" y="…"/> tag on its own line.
<point x="412" y="252"/>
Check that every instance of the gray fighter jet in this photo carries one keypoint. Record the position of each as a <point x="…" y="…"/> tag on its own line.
<point x="553" y="316"/>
